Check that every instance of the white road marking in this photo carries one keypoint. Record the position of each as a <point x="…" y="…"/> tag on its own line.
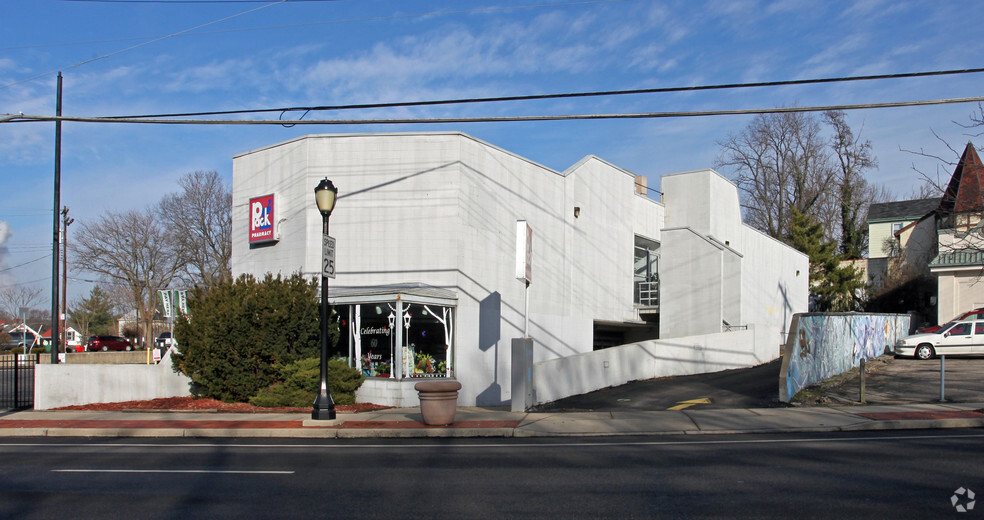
<point x="211" y="471"/>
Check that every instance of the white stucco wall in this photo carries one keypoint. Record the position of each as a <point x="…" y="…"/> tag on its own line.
<point x="959" y="290"/>
<point x="692" y="284"/>
<point x="441" y="208"/>
<point x="774" y="281"/>
<point x="575" y="375"/>
<point x="732" y="273"/>
<point x="602" y="241"/>
<point x="705" y="201"/>
<point x="66" y="384"/>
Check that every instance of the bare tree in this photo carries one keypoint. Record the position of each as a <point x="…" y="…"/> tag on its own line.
<point x="853" y="157"/>
<point x="200" y="220"/>
<point x="935" y="183"/>
<point x="133" y="249"/>
<point x="781" y="163"/>
<point x="118" y="295"/>
<point x="976" y="121"/>
<point x="13" y="299"/>
<point x="926" y="190"/>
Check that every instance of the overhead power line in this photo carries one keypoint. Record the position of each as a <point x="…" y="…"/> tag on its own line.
<point x="501" y="119"/>
<point x="5" y="286"/>
<point x="155" y="118"/>
<point x="25" y="263"/>
<point x="533" y="97"/>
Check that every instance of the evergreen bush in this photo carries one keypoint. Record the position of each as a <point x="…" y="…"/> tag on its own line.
<point x="236" y="335"/>
<point x="299" y="382"/>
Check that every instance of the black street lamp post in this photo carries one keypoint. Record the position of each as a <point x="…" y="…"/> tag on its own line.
<point x="324" y="407"/>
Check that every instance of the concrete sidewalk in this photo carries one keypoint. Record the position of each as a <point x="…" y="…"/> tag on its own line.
<point x="485" y="422"/>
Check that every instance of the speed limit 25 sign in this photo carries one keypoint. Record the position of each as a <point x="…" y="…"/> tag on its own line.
<point x="328" y="256"/>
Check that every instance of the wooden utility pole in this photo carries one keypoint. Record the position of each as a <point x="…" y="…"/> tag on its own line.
<point x="66" y="221"/>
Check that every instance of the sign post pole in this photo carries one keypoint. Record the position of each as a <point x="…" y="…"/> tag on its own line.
<point x="522" y="348"/>
<point x="524" y="265"/>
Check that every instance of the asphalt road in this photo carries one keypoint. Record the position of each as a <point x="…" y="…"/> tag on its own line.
<point x="870" y="475"/>
<point x="756" y="387"/>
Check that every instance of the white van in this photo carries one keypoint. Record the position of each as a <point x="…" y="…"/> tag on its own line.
<point x="953" y="339"/>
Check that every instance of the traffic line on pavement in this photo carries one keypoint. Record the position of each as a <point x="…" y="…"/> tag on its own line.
<point x="687" y="404"/>
<point x="213" y="471"/>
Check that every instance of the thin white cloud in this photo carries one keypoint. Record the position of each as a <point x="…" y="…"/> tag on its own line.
<point x="4" y="235"/>
<point x="463" y="54"/>
<point x="873" y="9"/>
<point x="834" y="58"/>
<point x="215" y="75"/>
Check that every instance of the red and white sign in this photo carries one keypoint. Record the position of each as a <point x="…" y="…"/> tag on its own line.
<point x="262" y="219"/>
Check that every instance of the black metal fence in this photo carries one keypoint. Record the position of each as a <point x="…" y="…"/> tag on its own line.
<point x="17" y="380"/>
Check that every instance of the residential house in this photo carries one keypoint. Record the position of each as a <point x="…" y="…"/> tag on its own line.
<point x="959" y="264"/>
<point x="73" y="339"/>
<point x="901" y="239"/>
<point x="935" y="239"/>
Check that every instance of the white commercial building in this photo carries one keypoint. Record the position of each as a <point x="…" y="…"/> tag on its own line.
<point x="426" y="255"/>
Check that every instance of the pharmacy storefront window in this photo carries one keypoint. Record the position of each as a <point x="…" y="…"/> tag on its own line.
<point x="373" y="334"/>
<point x="400" y="340"/>
<point x="427" y="348"/>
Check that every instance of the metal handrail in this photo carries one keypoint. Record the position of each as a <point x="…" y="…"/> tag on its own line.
<point x="647" y="293"/>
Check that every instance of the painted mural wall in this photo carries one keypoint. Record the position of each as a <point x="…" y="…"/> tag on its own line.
<point x="822" y="345"/>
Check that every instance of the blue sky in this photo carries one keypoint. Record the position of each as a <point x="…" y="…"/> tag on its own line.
<point x="251" y="55"/>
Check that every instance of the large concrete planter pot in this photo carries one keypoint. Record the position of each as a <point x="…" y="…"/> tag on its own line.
<point x="438" y="401"/>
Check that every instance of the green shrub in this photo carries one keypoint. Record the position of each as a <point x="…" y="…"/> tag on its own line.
<point x="241" y="332"/>
<point x="300" y="380"/>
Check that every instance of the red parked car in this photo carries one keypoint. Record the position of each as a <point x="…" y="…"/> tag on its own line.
<point x="105" y="343"/>
<point x="976" y="314"/>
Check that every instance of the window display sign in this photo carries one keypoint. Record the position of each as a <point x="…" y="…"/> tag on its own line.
<point x="425" y="346"/>
<point x="261" y="219"/>
<point x="376" y="341"/>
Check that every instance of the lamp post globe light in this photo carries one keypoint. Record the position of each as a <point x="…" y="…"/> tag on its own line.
<point x="324" y="407"/>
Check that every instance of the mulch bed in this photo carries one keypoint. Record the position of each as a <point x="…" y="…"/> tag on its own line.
<point x="193" y="404"/>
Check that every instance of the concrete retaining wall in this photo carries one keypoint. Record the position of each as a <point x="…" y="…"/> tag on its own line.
<point x="583" y="373"/>
<point x="389" y="392"/>
<point x="136" y="357"/>
<point x="69" y="385"/>
<point x="822" y="345"/>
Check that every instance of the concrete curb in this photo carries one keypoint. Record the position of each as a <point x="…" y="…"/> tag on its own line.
<point x="917" y="424"/>
<point x="421" y="433"/>
<point x="404" y="423"/>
